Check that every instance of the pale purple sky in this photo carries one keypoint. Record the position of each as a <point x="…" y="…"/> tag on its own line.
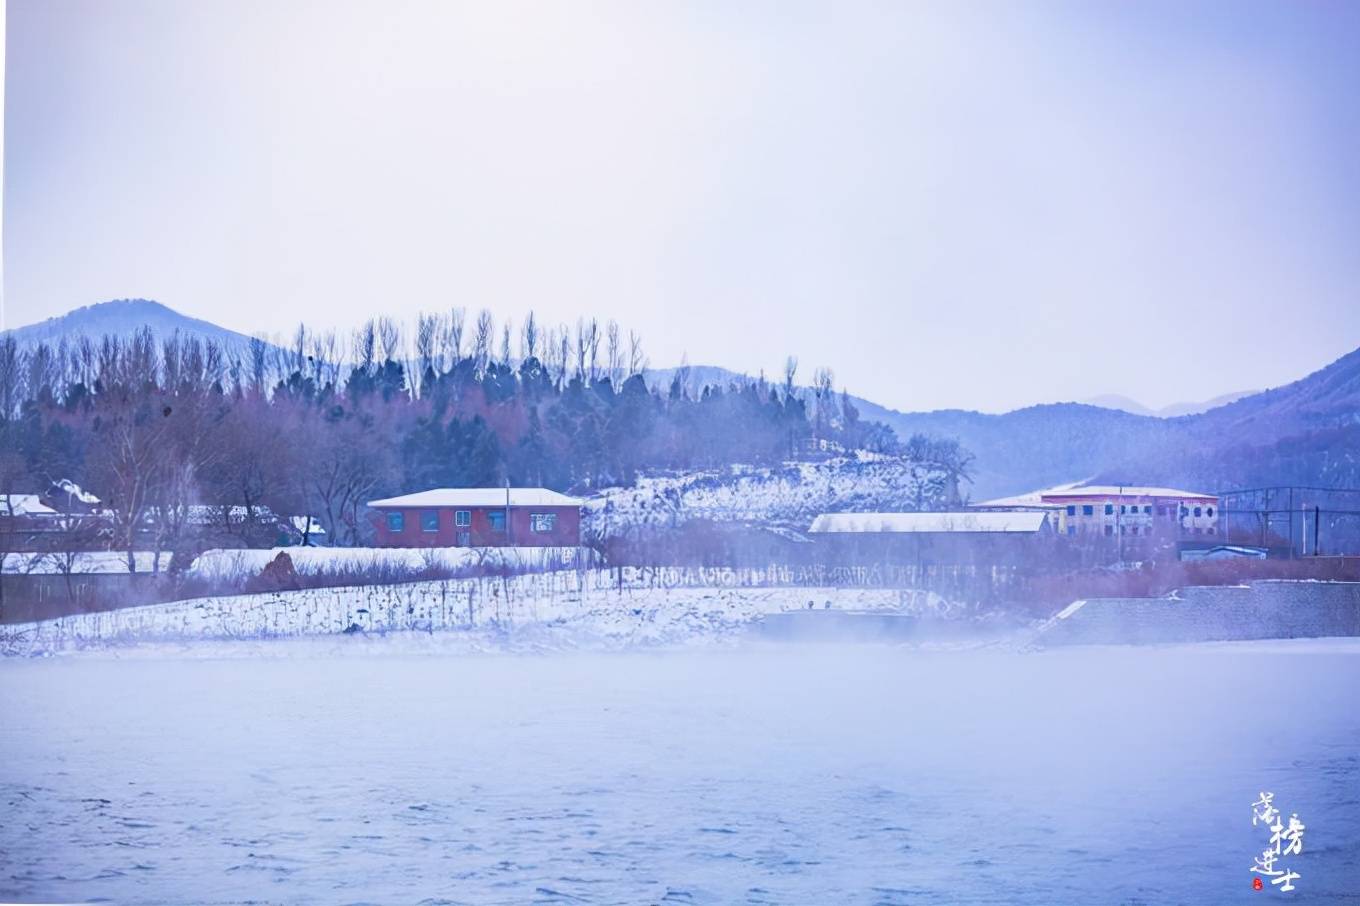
<point x="982" y="206"/>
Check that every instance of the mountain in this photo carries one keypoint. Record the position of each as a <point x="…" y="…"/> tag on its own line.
<point x="123" y="317"/>
<point x="1175" y="410"/>
<point x="1307" y="432"/>
<point x="1119" y="402"/>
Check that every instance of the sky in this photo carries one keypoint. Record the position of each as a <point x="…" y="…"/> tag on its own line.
<point x="980" y="205"/>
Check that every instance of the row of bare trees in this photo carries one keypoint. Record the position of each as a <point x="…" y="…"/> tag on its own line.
<point x="177" y="432"/>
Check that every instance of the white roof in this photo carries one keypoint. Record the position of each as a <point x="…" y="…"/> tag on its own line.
<point x="1063" y="491"/>
<point x="70" y="487"/>
<point x="480" y="497"/>
<point x="961" y="523"/>
<point x="1032" y="498"/>
<point x="1110" y="490"/>
<point x="24" y="505"/>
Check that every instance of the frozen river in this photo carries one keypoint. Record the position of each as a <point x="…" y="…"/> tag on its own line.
<point x="743" y="775"/>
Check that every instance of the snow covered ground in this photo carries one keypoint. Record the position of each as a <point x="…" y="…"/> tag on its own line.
<point x="746" y="774"/>
<point x="563" y="609"/>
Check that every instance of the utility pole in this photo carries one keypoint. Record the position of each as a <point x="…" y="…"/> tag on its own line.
<point x="1119" y="528"/>
<point x="1291" y="522"/>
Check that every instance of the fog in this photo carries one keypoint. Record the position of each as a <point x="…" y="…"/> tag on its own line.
<point x="753" y="773"/>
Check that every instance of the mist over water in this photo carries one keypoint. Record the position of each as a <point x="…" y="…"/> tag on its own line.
<point x="762" y="774"/>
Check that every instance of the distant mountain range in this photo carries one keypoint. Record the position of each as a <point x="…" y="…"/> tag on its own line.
<point x="1307" y="432"/>
<point x="1175" y="410"/>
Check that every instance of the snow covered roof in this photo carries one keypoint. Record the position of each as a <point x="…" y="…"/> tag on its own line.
<point x="1110" y="490"/>
<point x="1078" y="491"/>
<point x="67" y="486"/>
<point x="308" y="524"/>
<point x="24" y="505"/>
<point x="479" y="497"/>
<point x="1223" y="551"/>
<point x="1032" y="498"/>
<point x="941" y="523"/>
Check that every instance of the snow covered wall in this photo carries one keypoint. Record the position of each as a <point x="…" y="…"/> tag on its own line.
<point x="234" y="563"/>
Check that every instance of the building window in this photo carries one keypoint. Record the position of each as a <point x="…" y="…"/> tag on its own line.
<point x="1072" y="510"/>
<point x="1147" y="510"/>
<point x="542" y="523"/>
<point x="1088" y="510"/>
<point x="462" y="518"/>
<point x="1071" y="529"/>
<point x="429" y="521"/>
<point x="1211" y="529"/>
<point x="1109" y="530"/>
<point x="1109" y="509"/>
<point x="1209" y="511"/>
<point x="1197" y="512"/>
<point x="1199" y="531"/>
<point x="1133" y="530"/>
<point x="497" y="520"/>
<point x="1185" y="511"/>
<point x="396" y="522"/>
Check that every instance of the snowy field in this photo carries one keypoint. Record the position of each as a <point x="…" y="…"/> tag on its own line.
<point x="351" y="770"/>
<point x="554" y="610"/>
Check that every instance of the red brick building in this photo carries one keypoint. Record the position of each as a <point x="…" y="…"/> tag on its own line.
<point x="478" y="517"/>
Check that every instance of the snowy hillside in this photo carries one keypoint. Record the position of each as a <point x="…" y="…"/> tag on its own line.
<point x="789" y="496"/>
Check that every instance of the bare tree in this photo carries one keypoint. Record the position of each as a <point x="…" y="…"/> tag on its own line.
<point x="325" y="358"/>
<point x="613" y="353"/>
<point x="825" y="416"/>
<point x="593" y="343"/>
<point x="258" y="366"/>
<point x="582" y="348"/>
<point x="454" y="334"/>
<point x="427" y="335"/>
<point x="528" y="340"/>
<point x="482" y="339"/>
<point x="11" y="384"/>
<point x="366" y="346"/>
<point x="637" y="362"/>
<point x="389" y="338"/>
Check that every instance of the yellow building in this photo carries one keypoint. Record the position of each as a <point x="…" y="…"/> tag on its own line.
<point x="1119" y="510"/>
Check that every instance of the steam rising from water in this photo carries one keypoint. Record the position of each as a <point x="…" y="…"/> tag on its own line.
<point x="761" y="774"/>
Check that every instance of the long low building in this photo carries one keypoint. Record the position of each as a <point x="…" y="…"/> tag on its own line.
<point x="964" y="523"/>
<point x="961" y="538"/>
<point x="478" y="517"/>
<point x="1110" y="510"/>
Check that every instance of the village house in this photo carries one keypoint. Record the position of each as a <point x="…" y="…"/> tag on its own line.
<point x="1118" y="510"/>
<point x="478" y="517"/>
